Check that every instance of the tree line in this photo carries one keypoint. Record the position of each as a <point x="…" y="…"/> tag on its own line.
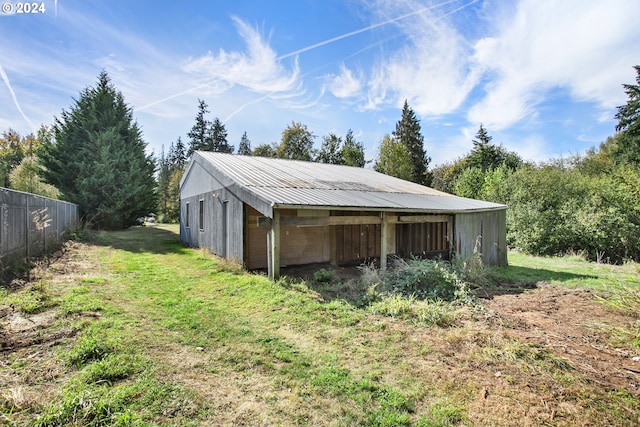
<point x="94" y="155"/>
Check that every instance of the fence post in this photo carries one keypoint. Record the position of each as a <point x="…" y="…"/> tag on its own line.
<point x="26" y="228"/>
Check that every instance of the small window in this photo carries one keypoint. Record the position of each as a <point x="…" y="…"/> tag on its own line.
<point x="201" y="223"/>
<point x="186" y="215"/>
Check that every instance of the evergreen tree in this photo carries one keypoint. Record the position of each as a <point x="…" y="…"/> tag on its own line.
<point x="164" y="173"/>
<point x="218" y="138"/>
<point x="331" y="150"/>
<point x="244" y="149"/>
<point x="628" y="115"/>
<point x="177" y="154"/>
<point x="409" y="134"/>
<point x="488" y="157"/>
<point x="394" y="159"/>
<point x="200" y="133"/>
<point x="97" y="159"/>
<point x="296" y="143"/>
<point x="352" y="151"/>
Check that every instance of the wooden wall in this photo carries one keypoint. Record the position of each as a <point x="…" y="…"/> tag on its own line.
<point x="427" y="239"/>
<point x="222" y="232"/>
<point x="298" y="245"/>
<point x="485" y="232"/>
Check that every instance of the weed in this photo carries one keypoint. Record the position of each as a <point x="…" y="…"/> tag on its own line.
<point x="32" y="300"/>
<point x="393" y="305"/>
<point x="323" y="276"/>
<point x="112" y="368"/>
<point x="472" y="270"/>
<point x="624" y="297"/>
<point x="445" y="414"/>
<point x="88" y="349"/>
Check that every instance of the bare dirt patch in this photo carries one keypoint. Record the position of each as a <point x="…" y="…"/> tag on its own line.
<point x="575" y="326"/>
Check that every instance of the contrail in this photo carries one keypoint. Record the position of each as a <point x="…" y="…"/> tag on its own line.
<point x="15" y="99"/>
<point x="362" y="30"/>
<point x="316" y="45"/>
<point x="160" y="101"/>
<point x="352" y="33"/>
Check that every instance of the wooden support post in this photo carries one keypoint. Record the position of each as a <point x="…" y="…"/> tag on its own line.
<point x="384" y="232"/>
<point x="333" y="245"/>
<point x="273" y="248"/>
<point x="450" y="236"/>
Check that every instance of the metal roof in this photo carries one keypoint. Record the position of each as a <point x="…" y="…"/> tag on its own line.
<point x="295" y="183"/>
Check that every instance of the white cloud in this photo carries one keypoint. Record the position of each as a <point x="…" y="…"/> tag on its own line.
<point x="258" y="69"/>
<point x="431" y="69"/>
<point x="346" y="84"/>
<point x="586" y="47"/>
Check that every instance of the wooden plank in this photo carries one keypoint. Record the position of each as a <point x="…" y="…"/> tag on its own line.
<point x="333" y="248"/>
<point x="407" y="219"/>
<point x="320" y="221"/>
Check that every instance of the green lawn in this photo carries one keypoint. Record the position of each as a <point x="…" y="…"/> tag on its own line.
<point x="160" y="334"/>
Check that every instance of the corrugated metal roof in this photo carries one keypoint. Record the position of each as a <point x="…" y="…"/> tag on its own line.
<point x="307" y="184"/>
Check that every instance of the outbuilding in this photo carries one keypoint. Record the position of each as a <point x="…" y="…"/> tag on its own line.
<point x="270" y="213"/>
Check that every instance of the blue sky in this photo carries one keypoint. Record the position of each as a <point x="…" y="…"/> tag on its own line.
<point x="543" y="76"/>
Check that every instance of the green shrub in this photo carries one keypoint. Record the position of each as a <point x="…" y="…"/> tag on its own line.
<point x="323" y="276"/>
<point x="88" y="349"/>
<point x="425" y="279"/>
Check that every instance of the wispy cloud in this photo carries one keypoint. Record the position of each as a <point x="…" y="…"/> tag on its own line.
<point x="257" y="69"/>
<point x="431" y="70"/>
<point x="588" y="48"/>
<point x="347" y="84"/>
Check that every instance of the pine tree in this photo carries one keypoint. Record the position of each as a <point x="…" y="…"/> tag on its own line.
<point x="200" y="133"/>
<point x="244" y="149"/>
<point x="352" y="151"/>
<point x="331" y="150"/>
<point x="219" y="142"/>
<point x="408" y="133"/>
<point x="177" y="154"/>
<point x="489" y="157"/>
<point x="164" y="173"/>
<point x="628" y="115"/>
<point x="97" y="159"/>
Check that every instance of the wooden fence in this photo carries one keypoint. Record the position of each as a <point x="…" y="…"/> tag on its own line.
<point x="31" y="225"/>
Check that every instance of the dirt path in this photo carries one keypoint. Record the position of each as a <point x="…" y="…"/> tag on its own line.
<point x="575" y="326"/>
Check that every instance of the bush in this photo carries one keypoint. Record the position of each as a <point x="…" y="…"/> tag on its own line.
<point x="555" y="209"/>
<point x="424" y="279"/>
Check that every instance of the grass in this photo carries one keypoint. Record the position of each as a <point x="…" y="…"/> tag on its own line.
<point x="168" y="335"/>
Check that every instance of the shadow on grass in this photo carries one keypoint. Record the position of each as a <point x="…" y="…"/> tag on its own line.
<point x="151" y="239"/>
<point x="515" y="280"/>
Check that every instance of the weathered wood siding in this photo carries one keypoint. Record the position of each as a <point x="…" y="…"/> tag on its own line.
<point x="222" y="229"/>
<point x="485" y="232"/>
<point x="429" y="239"/>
